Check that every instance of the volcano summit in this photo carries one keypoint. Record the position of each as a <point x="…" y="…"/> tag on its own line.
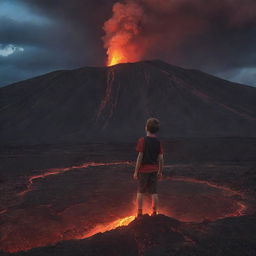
<point x="101" y="104"/>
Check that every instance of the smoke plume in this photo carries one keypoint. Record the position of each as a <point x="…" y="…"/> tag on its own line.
<point x="142" y="29"/>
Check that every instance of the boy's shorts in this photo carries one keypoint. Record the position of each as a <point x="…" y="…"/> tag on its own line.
<point x="147" y="182"/>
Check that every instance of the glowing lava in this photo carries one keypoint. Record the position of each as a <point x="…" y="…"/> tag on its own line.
<point x="116" y="57"/>
<point x="102" y="210"/>
<point x="55" y="171"/>
<point x="101" y="228"/>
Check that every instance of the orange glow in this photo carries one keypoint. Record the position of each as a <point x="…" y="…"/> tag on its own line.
<point x="112" y="225"/>
<point x="111" y="221"/>
<point x="55" y="171"/>
<point x="101" y="228"/>
<point x="121" y="30"/>
<point x="116" y="57"/>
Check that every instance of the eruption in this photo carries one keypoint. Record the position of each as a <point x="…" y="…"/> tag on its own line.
<point x="163" y="29"/>
<point x="120" y="31"/>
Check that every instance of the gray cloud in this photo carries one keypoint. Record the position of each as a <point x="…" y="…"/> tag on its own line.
<point x="9" y="49"/>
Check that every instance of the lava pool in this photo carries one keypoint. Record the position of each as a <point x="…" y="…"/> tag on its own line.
<point x="78" y="202"/>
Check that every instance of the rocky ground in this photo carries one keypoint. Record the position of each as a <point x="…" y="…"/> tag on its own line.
<point x="55" y="200"/>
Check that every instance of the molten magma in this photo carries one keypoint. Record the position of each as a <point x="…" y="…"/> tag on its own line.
<point x="21" y="242"/>
<point x="116" y="57"/>
<point x="101" y="228"/>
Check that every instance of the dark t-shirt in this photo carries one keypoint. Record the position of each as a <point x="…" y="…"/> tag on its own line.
<point x="151" y="148"/>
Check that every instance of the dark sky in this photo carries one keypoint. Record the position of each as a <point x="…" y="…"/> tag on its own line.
<point x="218" y="37"/>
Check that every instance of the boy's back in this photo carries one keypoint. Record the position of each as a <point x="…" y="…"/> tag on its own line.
<point x="151" y="148"/>
<point x="149" y="164"/>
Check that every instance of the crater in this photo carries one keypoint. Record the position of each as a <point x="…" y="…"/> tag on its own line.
<point x="78" y="202"/>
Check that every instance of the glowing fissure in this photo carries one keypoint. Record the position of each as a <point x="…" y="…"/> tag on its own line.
<point x="207" y="98"/>
<point x="100" y="228"/>
<point x="144" y="98"/>
<point x="103" y="227"/>
<point x="208" y="183"/>
<point x="109" y="100"/>
<point x="241" y="206"/>
<point x="55" y="171"/>
<point x="108" y="92"/>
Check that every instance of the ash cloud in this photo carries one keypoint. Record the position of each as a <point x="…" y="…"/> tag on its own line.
<point x="212" y="36"/>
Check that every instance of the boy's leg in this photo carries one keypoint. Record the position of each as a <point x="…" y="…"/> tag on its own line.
<point x="139" y="203"/>
<point x="141" y="190"/>
<point x="154" y="195"/>
<point x="154" y="203"/>
<point x="139" y="200"/>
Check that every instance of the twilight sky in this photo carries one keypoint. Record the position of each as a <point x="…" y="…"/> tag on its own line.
<point x="215" y="36"/>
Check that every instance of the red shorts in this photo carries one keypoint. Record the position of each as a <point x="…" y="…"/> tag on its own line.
<point x="148" y="168"/>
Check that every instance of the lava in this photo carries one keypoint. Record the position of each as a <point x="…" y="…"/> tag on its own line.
<point x="116" y="57"/>
<point x="109" y="101"/>
<point x="208" y="98"/>
<point x="101" y="228"/>
<point x="89" y="229"/>
<point x="210" y="184"/>
<point x="55" y="171"/>
<point x="241" y="207"/>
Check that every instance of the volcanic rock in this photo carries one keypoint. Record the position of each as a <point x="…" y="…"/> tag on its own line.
<point x="102" y="104"/>
<point x="162" y="235"/>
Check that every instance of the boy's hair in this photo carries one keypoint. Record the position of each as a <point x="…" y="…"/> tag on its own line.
<point x="153" y="125"/>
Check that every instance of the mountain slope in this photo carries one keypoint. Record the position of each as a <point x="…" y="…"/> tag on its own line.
<point x="101" y="104"/>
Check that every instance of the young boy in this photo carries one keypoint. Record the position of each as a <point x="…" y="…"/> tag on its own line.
<point x="149" y="165"/>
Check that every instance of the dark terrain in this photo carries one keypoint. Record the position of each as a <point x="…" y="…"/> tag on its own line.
<point x="207" y="198"/>
<point x="101" y="104"/>
<point x="67" y="156"/>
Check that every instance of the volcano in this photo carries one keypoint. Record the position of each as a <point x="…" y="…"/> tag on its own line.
<point x="102" y="104"/>
<point x="66" y="169"/>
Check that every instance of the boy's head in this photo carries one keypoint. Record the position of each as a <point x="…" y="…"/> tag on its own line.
<point x="152" y="125"/>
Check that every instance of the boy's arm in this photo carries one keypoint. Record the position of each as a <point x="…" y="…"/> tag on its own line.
<point x="138" y="163"/>
<point x="160" y="163"/>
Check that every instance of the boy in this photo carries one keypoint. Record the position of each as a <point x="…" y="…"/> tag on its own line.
<point x="149" y="165"/>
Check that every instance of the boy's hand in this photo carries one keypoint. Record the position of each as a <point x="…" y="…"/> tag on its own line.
<point x="135" y="175"/>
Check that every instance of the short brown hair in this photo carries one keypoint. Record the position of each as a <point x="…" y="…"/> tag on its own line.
<point x="153" y="125"/>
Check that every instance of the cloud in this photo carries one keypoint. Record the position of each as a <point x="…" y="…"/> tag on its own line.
<point x="245" y="75"/>
<point x="19" y="12"/>
<point x="213" y="36"/>
<point x="9" y="49"/>
<point x="145" y="29"/>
